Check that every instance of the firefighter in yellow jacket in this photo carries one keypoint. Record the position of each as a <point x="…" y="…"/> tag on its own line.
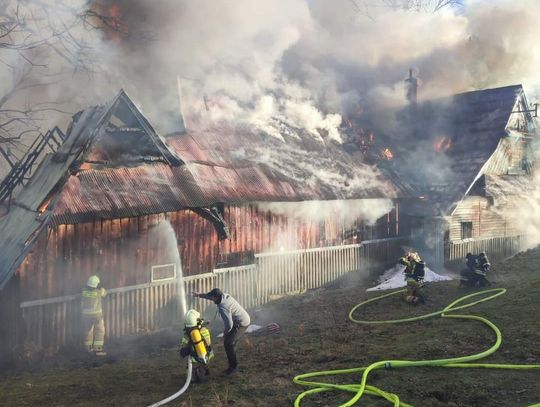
<point x="92" y="316"/>
<point x="197" y="343"/>
<point x="414" y="277"/>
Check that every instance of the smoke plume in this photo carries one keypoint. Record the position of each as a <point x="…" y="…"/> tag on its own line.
<point x="349" y="211"/>
<point x="276" y="66"/>
<point x="303" y="63"/>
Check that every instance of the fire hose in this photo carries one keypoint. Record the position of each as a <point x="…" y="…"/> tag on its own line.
<point x="458" y="362"/>
<point x="179" y="392"/>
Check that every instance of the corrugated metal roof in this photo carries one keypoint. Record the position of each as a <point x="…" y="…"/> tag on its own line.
<point x="219" y="166"/>
<point x="33" y="208"/>
<point x="313" y="170"/>
<point x="23" y="223"/>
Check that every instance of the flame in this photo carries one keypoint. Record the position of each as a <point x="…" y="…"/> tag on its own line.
<point x="442" y="144"/>
<point x="387" y="154"/>
<point x="109" y="18"/>
<point x="85" y="166"/>
<point x="43" y="207"/>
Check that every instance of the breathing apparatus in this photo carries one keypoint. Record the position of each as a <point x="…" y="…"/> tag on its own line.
<point x="193" y="325"/>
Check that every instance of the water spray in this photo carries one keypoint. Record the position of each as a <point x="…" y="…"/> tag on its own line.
<point x="182" y="304"/>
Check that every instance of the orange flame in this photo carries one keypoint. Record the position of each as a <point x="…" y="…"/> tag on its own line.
<point x="44" y="205"/>
<point x="387" y="154"/>
<point x="85" y="166"/>
<point x="442" y="144"/>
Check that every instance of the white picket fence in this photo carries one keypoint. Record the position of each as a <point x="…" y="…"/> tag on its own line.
<point x="53" y="322"/>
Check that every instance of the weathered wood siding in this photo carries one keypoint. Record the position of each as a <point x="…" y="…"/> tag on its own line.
<point x="52" y="322"/>
<point x="122" y="251"/>
<point x="486" y="221"/>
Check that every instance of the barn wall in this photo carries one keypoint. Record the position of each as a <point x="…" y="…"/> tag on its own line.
<point x="122" y="251"/>
<point x="486" y="222"/>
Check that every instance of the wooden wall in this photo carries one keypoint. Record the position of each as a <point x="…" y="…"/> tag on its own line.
<point x="122" y="251"/>
<point x="486" y="221"/>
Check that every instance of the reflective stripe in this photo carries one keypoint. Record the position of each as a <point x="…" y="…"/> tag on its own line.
<point x="91" y="303"/>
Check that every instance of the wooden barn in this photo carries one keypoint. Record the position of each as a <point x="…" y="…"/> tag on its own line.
<point x="155" y="216"/>
<point x="469" y="158"/>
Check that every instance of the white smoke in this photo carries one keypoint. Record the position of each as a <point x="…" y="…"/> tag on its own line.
<point x="349" y="211"/>
<point x="302" y="64"/>
<point x="523" y="212"/>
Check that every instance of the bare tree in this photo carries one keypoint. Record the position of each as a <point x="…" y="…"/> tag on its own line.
<point x="40" y="42"/>
<point x="422" y="5"/>
<point x="364" y="6"/>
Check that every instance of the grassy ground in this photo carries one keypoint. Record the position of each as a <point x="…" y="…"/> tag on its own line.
<point x="316" y="335"/>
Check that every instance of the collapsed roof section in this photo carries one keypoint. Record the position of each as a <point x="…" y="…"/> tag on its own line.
<point x="91" y="131"/>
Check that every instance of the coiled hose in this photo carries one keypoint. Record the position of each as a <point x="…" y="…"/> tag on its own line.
<point x="179" y="392"/>
<point x="358" y="390"/>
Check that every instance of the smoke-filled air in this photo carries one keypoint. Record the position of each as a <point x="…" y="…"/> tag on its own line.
<point x="269" y="203"/>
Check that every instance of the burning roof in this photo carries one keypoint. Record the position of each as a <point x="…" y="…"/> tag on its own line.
<point x="114" y="165"/>
<point x="442" y="146"/>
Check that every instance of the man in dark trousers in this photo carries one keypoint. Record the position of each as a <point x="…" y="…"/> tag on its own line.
<point x="235" y="319"/>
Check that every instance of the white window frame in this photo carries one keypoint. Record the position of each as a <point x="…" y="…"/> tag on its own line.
<point x="159" y="280"/>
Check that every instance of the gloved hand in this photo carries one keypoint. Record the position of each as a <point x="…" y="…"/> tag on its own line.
<point x="184" y="352"/>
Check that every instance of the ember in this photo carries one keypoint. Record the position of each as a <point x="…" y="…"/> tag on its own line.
<point x="442" y="144"/>
<point x="387" y="154"/>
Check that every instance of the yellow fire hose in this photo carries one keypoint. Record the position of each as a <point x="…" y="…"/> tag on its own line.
<point x="459" y="362"/>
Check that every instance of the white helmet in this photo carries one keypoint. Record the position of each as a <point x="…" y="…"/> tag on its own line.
<point x="191" y="318"/>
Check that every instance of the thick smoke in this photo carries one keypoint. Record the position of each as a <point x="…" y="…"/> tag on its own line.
<point x="522" y="213"/>
<point x="303" y="63"/>
<point x="350" y="211"/>
<point x="308" y="63"/>
<point x="276" y="66"/>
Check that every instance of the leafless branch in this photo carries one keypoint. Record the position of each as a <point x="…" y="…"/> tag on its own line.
<point x="33" y="35"/>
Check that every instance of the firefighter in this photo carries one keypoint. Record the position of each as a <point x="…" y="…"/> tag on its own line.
<point x="477" y="268"/>
<point x="471" y="262"/>
<point x="410" y="260"/>
<point x="235" y="321"/>
<point x="483" y="262"/>
<point x="197" y="343"/>
<point x="92" y="316"/>
<point x="414" y="276"/>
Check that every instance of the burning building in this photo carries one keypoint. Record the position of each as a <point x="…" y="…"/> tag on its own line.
<point x="469" y="158"/>
<point x="103" y="202"/>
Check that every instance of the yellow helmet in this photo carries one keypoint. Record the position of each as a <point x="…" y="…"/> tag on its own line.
<point x="191" y="319"/>
<point x="93" y="281"/>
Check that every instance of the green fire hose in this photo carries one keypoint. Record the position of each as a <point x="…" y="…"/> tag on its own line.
<point x="358" y="390"/>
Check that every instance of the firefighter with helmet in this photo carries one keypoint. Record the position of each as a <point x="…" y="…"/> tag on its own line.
<point x="197" y="343"/>
<point x="414" y="276"/>
<point x="92" y="316"/>
<point x="477" y="268"/>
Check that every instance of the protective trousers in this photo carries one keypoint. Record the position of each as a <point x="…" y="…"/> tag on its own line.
<point x="230" y="340"/>
<point x="413" y="291"/>
<point x="94" y="330"/>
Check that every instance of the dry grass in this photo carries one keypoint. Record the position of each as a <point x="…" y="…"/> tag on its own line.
<point x="316" y="335"/>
